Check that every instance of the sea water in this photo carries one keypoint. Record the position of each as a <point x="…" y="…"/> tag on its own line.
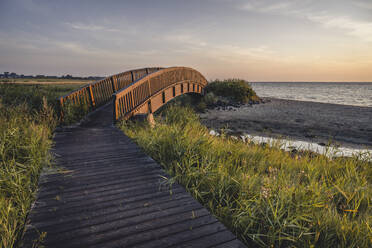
<point x="289" y="145"/>
<point x="357" y="94"/>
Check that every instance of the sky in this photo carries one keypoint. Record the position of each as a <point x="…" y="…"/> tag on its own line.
<point x="256" y="40"/>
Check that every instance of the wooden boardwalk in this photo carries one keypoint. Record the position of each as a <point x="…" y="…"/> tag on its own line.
<point x="108" y="193"/>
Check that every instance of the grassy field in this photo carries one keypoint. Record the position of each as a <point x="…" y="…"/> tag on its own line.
<point x="33" y="94"/>
<point x="44" y="81"/>
<point x="268" y="197"/>
<point x="27" y="120"/>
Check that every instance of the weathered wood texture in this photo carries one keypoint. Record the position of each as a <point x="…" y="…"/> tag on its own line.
<point x="100" y="92"/>
<point x="154" y="90"/>
<point x="108" y="193"/>
<point x="139" y="91"/>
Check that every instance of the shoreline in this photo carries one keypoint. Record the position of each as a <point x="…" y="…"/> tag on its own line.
<point x="320" y="123"/>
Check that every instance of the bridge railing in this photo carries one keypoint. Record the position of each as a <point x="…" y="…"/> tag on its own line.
<point x="98" y="93"/>
<point x="151" y="92"/>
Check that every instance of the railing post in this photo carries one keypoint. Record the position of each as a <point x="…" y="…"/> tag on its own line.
<point x="91" y="96"/>
<point x="115" y="107"/>
<point x="149" y="86"/>
<point x="131" y="95"/>
<point x="113" y="84"/>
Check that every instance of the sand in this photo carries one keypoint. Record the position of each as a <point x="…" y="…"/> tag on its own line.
<point x="321" y="123"/>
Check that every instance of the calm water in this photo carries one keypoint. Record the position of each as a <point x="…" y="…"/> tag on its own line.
<point x="358" y="94"/>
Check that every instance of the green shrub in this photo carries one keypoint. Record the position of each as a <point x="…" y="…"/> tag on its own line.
<point x="210" y="99"/>
<point x="201" y="106"/>
<point x="236" y="89"/>
<point x="267" y="196"/>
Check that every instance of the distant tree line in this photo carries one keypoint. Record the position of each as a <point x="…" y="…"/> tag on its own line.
<point x="13" y="75"/>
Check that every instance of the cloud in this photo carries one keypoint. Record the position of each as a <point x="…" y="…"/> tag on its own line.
<point x="359" y="29"/>
<point x="264" y="7"/>
<point x="74" y="47"/>
<point x="83" y="50"/>
<point x="259" y="52"/>
<point x="185" y="39"/>
<point x="90" y="27"/>
<point x="188" y="43"/>
<point x="362" y="4"/>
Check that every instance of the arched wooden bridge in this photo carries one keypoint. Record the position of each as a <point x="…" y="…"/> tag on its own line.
<point x="137" y="91"/>
<point x="105" y="191"/>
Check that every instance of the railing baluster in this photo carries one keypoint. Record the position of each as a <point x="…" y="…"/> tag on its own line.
<point x="91" y="96"/>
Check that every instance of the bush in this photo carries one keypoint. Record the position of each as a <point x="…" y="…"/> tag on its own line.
<point x="210" y="99"/>
<point x="236" y="89"/>
<point x="201" y="107"/>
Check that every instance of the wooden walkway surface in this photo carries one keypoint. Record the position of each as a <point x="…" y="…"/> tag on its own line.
<point x="108" y="193"/>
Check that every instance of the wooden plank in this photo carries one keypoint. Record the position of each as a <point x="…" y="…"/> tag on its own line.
<point x="167" y="235"/>
<point x="106" y="220"/>
<point x="115" y="207"/>
<point x="108" y="201"/>
<point x="231" y="244"/>
<point x="209" y="240"/>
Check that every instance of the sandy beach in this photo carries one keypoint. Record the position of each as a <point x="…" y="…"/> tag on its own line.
<point x="322" y="123"/>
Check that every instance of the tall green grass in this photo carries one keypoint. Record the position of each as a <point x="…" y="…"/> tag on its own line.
<point x="33" y="94"/>
<point x="24" y="145"/>
<point x="27" y="120"/>
<point x="267" y="196"/>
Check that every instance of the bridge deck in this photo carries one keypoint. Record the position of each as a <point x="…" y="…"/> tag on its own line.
<point x="108" y="193"/>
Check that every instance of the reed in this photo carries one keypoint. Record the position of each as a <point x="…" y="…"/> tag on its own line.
<point x="24" y="145"/>
<point x="27" y="120"/>
<point x="267" y="196"/>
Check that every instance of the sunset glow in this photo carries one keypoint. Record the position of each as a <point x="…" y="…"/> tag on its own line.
<point x="256" y="40"/>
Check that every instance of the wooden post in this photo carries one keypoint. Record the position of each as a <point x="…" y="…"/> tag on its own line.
<point x="131" y="95"/>
<point x="150" y="116"/>
<point x="131" y="73"/>
<point x="151" y="120"/>
<point x="113" y="84"/>
<point x="115" y="107"/>
<point x="91" y="96"/>
<point x="149" y="86"/>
